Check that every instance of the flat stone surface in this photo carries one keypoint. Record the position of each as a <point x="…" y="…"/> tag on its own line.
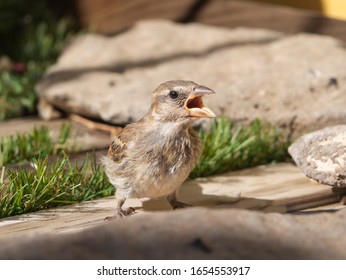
<point x="255" y="73"/>
<point x="321" y="155"/>
<point x="278" y="188"/>
<point x="195" y="233"/>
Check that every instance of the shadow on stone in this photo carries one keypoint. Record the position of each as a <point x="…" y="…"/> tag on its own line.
<point x="193" y="194"/>
<point x="194" y="233"/>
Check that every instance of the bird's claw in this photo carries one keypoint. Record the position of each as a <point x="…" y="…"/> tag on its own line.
<point x="120" y="213"/>
<point x="179" y="204"/>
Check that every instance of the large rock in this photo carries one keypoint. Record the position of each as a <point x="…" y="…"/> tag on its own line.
<point x="322" y="155"/>
<point x="195" y="233"/>
<point x="256" y="73"/>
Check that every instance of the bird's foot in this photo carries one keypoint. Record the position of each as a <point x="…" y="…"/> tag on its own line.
<point x="178" y="204"/>
<point x="120" y="213"/>
<point x="175" y="203"/>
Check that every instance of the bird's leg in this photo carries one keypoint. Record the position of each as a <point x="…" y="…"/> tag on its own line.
<point x="119" y="211"/>
<point x="173" y="201"/>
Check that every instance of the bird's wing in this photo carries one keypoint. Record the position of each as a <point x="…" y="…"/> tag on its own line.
<point x="117" y="149"/>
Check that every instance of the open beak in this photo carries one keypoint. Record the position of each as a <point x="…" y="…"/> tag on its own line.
<point x="194" y="104"/>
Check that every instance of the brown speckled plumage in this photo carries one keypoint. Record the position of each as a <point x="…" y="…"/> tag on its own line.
<point x="154" y="156"/>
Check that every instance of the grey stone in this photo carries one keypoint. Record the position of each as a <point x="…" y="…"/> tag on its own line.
<point x="322" y="155"/>
<point x="256" y="73"/>
<point x="185" y="234"/>
<point x="90" y="77"/>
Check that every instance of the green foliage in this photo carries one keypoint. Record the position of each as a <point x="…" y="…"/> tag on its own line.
<point x="37" y="142"/>
<point x="17" y="90"/>
<point x="61" y="183"/>
<point x="30" y="31"/>
<point x="46" y="40"/>
<point x="229" y="147"/>
<point x="32" y="36"/>
<point x="17" y="94"/>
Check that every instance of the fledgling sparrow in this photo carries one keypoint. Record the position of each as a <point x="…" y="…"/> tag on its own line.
<point x="153" y="156"/>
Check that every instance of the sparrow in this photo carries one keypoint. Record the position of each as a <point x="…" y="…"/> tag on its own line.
<point x="152" y="157"/>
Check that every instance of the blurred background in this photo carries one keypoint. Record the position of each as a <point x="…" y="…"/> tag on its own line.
<point x="33" y="33"/>
<point x="111" y="16"/>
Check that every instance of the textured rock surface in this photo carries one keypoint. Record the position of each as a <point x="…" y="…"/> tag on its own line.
<point x="256" y="73"/>
<point x="94" y="76"/>
<point x="322" y="155"/>
<point x="184" y="234"/>
<point x="154" y="41"/>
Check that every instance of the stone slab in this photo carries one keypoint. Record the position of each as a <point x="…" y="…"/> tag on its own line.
<point x="255" y="73"/>
<point x="195" y="233"/>
<point x="278" y="188"/>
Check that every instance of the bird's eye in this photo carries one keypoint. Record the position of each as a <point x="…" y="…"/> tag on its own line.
<point x="173" y="94"/>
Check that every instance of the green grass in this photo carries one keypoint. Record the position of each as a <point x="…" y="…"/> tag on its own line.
<point x="50" y="186"/>
<point x="37" y="142"/>
<point x="226" y="147"/>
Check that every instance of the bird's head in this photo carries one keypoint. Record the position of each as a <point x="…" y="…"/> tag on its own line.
<point x="180" y="101"/>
